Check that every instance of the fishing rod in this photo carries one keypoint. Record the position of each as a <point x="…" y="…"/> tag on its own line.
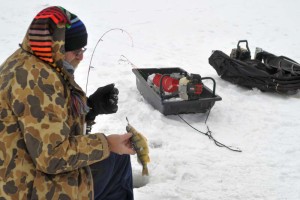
<point x="101" y="39"/>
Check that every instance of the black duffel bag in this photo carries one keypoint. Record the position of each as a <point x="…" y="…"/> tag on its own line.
<point x="266" y="71"/>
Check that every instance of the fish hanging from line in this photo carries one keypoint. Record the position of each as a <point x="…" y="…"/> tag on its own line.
<point x="140" y="145"/>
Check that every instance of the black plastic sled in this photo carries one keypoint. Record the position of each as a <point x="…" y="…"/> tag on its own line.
<point x="172" y="106"/>
<point x="265" y="71"/>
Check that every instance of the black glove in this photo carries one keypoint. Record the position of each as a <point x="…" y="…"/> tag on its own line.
<point x="103" y="101"/>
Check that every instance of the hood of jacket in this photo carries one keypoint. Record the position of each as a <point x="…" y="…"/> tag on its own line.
<point x="45" y="39"/>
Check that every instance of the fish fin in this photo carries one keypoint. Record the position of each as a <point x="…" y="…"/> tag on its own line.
<point x="145" y="171"/>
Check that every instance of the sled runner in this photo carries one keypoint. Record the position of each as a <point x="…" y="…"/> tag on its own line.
<point x="265" y="71"/>
<point x="174" y="91"/>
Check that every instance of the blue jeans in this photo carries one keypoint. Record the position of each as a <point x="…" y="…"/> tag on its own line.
<point x="113" y="178"/>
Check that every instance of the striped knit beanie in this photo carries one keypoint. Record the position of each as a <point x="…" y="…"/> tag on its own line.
<point x="76" y="35"/>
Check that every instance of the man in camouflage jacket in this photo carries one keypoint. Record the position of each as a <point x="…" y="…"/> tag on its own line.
<point x="44" y="153"/>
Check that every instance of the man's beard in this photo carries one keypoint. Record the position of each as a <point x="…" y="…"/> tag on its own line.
<point x="75" y="63"/>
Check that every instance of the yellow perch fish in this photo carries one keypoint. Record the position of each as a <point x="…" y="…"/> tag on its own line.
<point x="140" y="145"/>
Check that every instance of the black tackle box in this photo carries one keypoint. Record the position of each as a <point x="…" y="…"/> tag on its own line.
<point x="174" y="106"/>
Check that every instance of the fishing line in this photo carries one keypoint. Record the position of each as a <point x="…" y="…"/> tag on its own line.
<point x="100" y="39"/>
<point x="126" y="60"/>
<point x="208" y="133"/>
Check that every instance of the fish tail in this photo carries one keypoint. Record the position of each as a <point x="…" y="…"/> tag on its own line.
<point x="145" y="170"/>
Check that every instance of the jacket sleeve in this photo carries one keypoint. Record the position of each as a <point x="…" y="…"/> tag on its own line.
<point x="43" y="114"/>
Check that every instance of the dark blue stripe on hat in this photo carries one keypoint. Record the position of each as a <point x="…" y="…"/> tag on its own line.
<point x="78" y="23"/>
<point x="75" y="30"/>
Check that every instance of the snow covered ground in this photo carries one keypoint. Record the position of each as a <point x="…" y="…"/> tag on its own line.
<point x="186" y="165"/>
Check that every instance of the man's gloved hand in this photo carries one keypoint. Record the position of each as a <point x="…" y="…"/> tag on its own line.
<point x="103" y="101"/>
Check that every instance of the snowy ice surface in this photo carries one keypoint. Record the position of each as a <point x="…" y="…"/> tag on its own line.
<point x="182" y="33"/>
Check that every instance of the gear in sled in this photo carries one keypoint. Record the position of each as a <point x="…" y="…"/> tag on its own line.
<point x="187" y="87"/>
<point x="174" y="91"/>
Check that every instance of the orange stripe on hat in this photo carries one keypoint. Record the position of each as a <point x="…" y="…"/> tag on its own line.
<point x="48" y="16"/>
<point x="41" y="49"/>
<point x="33" y="43"/>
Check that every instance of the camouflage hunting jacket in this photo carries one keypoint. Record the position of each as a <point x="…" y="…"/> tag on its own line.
<point x="43" y="151"/>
